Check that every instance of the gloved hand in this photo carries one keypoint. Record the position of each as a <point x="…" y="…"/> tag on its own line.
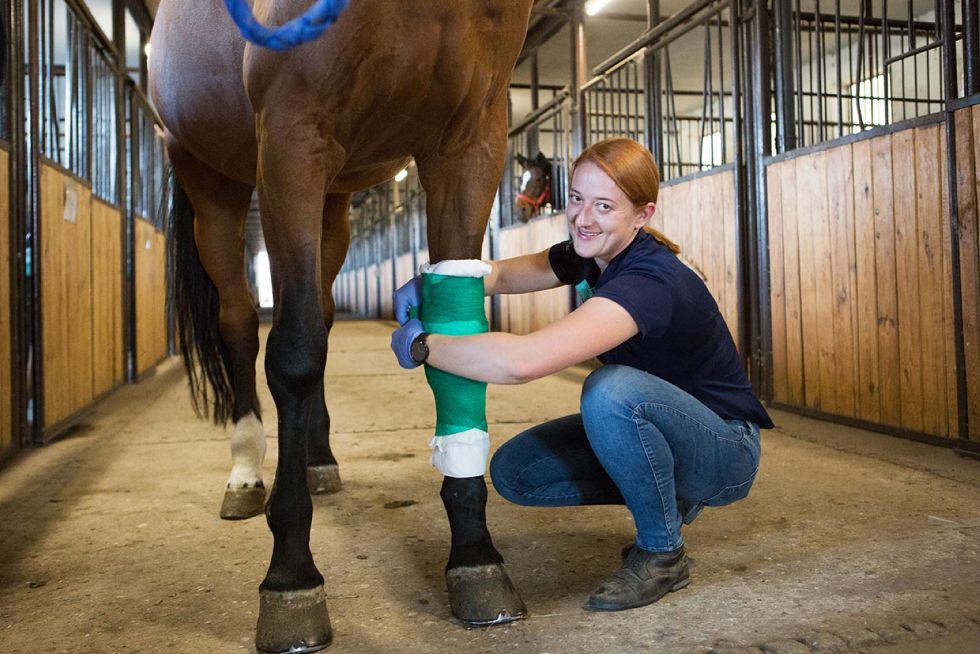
<point x="401" y="342"/>
<point x="407" y="296"/>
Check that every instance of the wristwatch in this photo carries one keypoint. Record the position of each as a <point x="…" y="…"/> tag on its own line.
<point x="419" y="349"/>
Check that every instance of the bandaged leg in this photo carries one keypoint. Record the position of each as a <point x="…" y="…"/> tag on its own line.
<point x="452" y="303"/>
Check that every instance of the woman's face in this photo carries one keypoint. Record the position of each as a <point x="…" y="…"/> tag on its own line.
<point x="603" y="220"/>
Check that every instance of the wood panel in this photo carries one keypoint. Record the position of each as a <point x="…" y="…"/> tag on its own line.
<point x="928" y="209"/>
<point x="108" y="367"/>
<point x="967" y="126"/>
<point x="792" y="286"/>
<point x="810" y="327"/>
<point x="889" y="375"/>
<point x="66" y="294"/>
<point x="866" y="298"/>
<point x="870" y="229"/>
<point x="527" y="312"/>
<point x="6" y="364"/>
<point x="151" y="295"/>
<point x="777" y="264"/>
<point x="906" y="251"/>
<point x="840" y="198"/>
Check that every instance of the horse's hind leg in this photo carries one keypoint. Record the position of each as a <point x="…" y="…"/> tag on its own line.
<point x="460" y="186"/>
<point x="322" y="471"/>
<point x="220" y="206"/>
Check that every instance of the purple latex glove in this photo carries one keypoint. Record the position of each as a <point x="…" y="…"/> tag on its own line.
<point x="407" y="296"/>
<point x="401" y="342"/>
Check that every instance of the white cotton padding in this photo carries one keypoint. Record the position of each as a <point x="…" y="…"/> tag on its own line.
<point x="457" y="268"/>
<point x="461" y="455"/>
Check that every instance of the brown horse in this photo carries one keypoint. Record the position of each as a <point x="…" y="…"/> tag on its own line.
<point x="388" y="81"/>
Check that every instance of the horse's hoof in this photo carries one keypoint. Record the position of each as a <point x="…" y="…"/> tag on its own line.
<point x="242" y="503"/>
<point x="323" y="480"/>
<point x="484" y="595"/>
<point x="293" y="621"/>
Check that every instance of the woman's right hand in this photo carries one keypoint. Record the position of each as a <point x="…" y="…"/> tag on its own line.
<point x="407" y="296"/>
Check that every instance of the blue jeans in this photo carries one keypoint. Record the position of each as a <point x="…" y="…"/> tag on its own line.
<point x="639" y="441"/>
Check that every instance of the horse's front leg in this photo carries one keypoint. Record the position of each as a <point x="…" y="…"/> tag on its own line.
<point x="460" y="186"/>
<point x="323" y="473"/>
<point x="295" y="163"/>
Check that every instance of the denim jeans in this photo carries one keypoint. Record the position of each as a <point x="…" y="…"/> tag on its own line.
<point x="638" y="441"/>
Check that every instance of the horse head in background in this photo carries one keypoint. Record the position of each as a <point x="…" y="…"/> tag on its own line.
<point x="535" y="190"/>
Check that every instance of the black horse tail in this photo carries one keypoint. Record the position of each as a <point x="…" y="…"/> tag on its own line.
<point x="195" y="303"/>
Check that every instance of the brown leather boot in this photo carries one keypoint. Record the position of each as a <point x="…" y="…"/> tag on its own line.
<point x="643" y="578"/>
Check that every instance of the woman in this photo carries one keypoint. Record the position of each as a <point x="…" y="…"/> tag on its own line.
<point x="668" y="424"/>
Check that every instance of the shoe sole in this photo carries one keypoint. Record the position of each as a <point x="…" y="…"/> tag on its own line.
<point x="599" y="606"/>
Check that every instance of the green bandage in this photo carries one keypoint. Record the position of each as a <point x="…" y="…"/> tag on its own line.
<point x="452" y="304"/>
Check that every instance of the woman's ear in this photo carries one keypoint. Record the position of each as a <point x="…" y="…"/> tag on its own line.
<point x="646" y="213"/>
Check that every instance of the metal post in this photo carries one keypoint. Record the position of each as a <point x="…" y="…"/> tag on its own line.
<point x="33" y="227"/>
<point x="950" y="88"/>
<point x="579" y="66"/>
<point x="783" y="75"/>
<point x="754" y="248"/>
<point x="653" y="91"/>
<point x="129" y="236"/>
<point x="971" y="46"/>
<point x="19" y="208"/>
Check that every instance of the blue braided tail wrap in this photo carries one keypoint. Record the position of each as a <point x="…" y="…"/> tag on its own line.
<point x="305" y="28"/>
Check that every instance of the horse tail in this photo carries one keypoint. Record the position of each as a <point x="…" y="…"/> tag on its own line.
<point x="195" y="303"/>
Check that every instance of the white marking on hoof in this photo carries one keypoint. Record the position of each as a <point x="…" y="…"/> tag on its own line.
<point x="247" y="453"/>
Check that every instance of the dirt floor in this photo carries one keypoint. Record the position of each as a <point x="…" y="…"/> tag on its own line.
<point x="110" y="539"/>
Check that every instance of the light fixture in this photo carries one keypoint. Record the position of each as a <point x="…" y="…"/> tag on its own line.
<point x="146" y="49"/>
<point x="593" y="7"/>
<point x="402" y="174"/>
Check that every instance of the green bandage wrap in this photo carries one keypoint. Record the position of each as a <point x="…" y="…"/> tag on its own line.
<point x="454" y="306"/>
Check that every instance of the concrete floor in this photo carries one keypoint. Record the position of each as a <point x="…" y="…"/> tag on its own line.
<point x="110" y="539"/>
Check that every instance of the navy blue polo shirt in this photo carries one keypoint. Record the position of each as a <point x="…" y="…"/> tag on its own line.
<point x="683" y="338"/>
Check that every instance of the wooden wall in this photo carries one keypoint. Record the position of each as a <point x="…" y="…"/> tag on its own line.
<point x="527" y="312"/>
<point x="699" y="215"/>
<point x="66" y="294"/>
<point x="6" y="364"/>
<point x="862" y="312"/>
<point x="151" y="295"/>
<point x="967" y="137"/>
<point x="107" y="279"/>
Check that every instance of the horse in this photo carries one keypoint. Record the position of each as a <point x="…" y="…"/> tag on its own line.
<point x="535" y="189"/>
<point x="307" y="128"/>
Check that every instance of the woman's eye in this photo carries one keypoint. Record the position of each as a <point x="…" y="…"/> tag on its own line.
<point x="604" y="206"/>
<point x="575" y="198"/>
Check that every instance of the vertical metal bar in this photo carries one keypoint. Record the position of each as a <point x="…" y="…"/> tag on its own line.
<point x="721" y="84"/>
<point x="798" y="69"/>
<point x="786" y="137"/>
<point x="654" y="91"/>
<point x="579" y="67"/>
<point x="971" y="46"/>
<point x="758" y="339"/>
<point x="950" y="88"/>
<point x="840" y="84"/>
<point x="20" y="209"/>
<point x="33" y="237"/>
<point x="821" y="75"/>
<point x="130" y="231"/>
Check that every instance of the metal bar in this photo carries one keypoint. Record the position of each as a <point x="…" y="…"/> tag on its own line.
<point x="33" y="235"/>
<point x="911" y="54"/>
<point x="653" y="35"/>
<point x="971" y="47"/>
<point x="783" y="76"/>
<point x="20" y="163"/>
<point x="758" y="339"/>
<point x="950" y="88"/>
<point x="840" y="85"/>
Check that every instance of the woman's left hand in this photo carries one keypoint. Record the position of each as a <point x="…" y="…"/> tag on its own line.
<point x="401" y="342"/>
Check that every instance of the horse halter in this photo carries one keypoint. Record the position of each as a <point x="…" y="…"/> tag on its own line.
<point x="537" y="202"/>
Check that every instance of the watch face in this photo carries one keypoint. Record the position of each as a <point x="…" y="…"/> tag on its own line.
<point x="420" y="350"/>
